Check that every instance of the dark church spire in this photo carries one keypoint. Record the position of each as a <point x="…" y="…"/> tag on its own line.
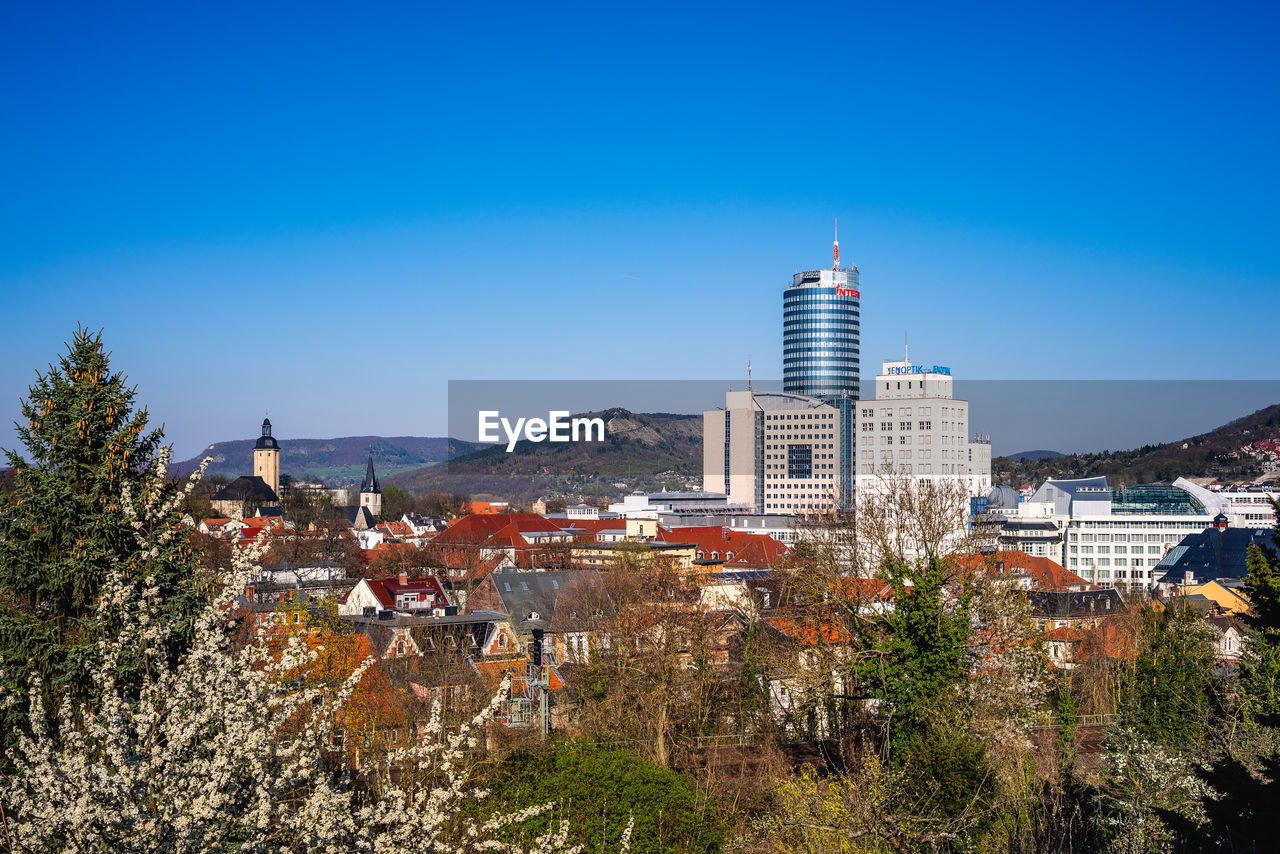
<point x="266" y="440"/>
<point x="370" y="482"/>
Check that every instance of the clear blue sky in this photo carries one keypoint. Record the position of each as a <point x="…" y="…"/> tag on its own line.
<point x="330" y="211"/>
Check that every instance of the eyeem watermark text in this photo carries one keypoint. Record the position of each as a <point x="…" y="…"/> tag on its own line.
<point x="558" y="427"/>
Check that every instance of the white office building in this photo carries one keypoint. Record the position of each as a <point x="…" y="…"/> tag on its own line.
<point x="916" y="428"/>
<point x="1250" y="508"/>
<point x="1116" y="536"/>
<point x="652" y="505"/>
<point x="775" y="452"/>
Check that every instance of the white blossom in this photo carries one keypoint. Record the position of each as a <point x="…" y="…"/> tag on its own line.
<point x="225" y="751"/>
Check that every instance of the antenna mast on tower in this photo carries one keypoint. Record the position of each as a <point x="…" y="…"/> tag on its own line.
<point x="835" y="249"/>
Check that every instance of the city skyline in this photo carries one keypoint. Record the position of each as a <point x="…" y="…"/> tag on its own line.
<point x="238" y="201"/>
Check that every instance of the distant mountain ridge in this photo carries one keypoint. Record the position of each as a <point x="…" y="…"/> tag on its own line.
<point x="1033" y="455"/>
<point x="340" y="461"/>
<point x="1211" y="454"/>
<point x="641" y="450"/>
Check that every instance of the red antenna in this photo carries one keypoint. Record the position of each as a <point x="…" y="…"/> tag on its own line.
<point x="836" y="247"/>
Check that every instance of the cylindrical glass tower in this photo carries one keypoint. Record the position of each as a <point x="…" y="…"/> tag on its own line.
<point x="820" y="334"/>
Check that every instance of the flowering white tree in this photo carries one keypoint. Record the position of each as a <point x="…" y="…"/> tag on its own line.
<point x="1144" y="778"/>
<point x="226" y="750"/>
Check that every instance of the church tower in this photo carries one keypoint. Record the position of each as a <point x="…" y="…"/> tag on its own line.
<point x="370" y="492"/>
<point x="266" y="458"/>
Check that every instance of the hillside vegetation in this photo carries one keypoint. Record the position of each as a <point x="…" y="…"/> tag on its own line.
<point x="340" y="462"/>
<point x="649" y="451"/>
<point x="1211" y="454"/>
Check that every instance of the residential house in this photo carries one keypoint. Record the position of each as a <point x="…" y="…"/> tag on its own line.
<point x="1227" y="594"/>
<point x="640" y="553"/>
<point x="401" y="595"/>
<point x="565" y="604"/>
<point x="1068" y="616"/>
<point x="472" y="546"/>
<point x="733" y="549"/>
<point x="1229" y="638"/>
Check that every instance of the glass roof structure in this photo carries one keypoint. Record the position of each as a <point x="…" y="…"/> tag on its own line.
<point x="1155" y="498"/>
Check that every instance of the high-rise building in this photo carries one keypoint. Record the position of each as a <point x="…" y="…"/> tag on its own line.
<point x="775" y="452"/>
<point x="820" y="349"/>
<point x="820" y="332"/>
<point x="914" y="427"/>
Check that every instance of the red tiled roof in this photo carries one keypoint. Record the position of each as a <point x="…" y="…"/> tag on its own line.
<point x="1047" y="574"/>
<point x="865" y="589"/>
<point x="395" y="529"/>
<point x="750" y="551"/>
<point x="809" y="631"/>
<point x="477" y="528"/>
<point x="386" y="589"/>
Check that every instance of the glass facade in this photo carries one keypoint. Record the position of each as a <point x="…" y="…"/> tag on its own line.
<point x="820" y="351"/>
<point x="1153" y="498"/>
<point x="820" y="334"/>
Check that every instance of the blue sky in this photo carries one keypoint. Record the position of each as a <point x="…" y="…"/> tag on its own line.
<point x="330" y="211"/>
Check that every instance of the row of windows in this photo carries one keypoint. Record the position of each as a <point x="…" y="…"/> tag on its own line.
<point x="1106" y="561"/>
<point x="1124" y="537"/>
<point x="815" y="456"/>
<point x="802" y="318"/>
<point x="824" y="343"/>
<point x="822" y="358"/>
<point x="1146" y="523"/>
<point x="1106" y="574"/>
<point x="903" y="411"/>
<point x="823" y="328"/>
<point x="1120" y="550"/>
<point x="799" y="476"/>
<point x="821" y="302"/>
<point x="844" y="308"/>
<point x="920" y="468"/>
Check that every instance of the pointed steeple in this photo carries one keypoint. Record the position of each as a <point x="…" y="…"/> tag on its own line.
<point x="370" y="482"/>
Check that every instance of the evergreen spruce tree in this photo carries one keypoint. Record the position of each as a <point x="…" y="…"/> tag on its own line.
<point x="1260" y="669"/>
<point x="919" y="663"/>
<point x="62" y="524"/>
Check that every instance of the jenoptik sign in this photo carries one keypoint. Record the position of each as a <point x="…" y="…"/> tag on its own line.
<point x="918" y="369"/>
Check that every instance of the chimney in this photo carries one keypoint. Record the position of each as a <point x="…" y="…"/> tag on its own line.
<point x="404" y="577"/>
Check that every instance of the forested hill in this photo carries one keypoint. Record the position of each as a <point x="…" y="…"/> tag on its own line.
<point x="1217" y="454"/>
<point x="649" y="451"/>
<point x="341" y="461"/>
